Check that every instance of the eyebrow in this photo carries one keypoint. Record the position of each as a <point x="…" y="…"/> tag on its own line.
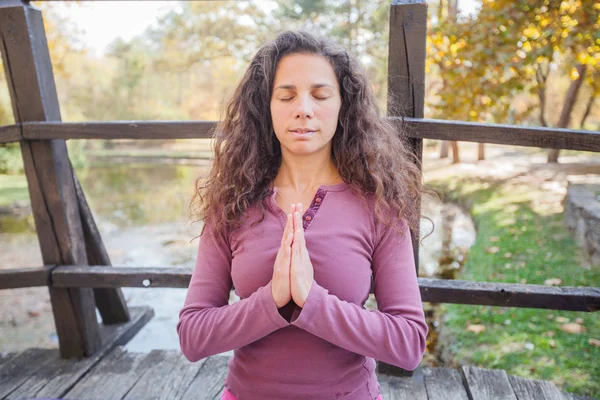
<point x="315" y="86"/>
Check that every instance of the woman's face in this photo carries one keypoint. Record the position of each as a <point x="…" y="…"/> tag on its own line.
<point x="305" y="104"/>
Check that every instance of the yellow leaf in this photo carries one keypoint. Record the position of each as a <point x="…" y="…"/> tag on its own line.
<point x="574" y="74"/>
<point x="492" y="250"/>
<point x="553" y="281"/>
<point x="572" y="327"/>
<point x="476" y="328"/>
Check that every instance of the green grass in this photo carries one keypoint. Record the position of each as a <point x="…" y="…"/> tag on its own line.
<point x="13" y="188"/>
<point x="532" y="246"/>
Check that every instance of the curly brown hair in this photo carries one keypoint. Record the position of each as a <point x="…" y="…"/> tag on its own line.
<point x="367" y="149"/>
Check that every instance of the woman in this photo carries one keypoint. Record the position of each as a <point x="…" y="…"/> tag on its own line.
<point x="302" y="134"/>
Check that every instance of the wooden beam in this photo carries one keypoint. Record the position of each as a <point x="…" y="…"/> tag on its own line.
<point x="10" y="133"/>
<point x="406" y="75"/>
<point x="509" y="135"/>
<point x="416" y="128"/>
<point x="110" y="302"/>
<point x="510" y="294"/>
<point x="406" y="93"/>
<point x="120" y="130"/>
<point x="108" y="277"/>
<point x="432" y="290"/>
<point x="24" y="277"/>
<point x="31" y="86"/>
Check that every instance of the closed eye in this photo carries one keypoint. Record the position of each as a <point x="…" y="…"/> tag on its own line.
<point x="291" y="98"/>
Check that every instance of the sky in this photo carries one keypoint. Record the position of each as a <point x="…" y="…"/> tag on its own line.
<point x="101" y="23"/>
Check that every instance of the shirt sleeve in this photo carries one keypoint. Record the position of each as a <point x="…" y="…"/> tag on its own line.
<point x="207" y="324"/>
<point x="395" y="333"/>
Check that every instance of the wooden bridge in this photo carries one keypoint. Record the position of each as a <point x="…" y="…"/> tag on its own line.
<point x="167" y="375"/>
<point x="90" y="364"/>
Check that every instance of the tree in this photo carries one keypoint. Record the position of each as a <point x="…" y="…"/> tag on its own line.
<point x="525" y="42"/>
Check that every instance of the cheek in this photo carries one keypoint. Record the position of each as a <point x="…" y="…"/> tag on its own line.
<point x="276" y="116"/>
<point x="329" y="114"/>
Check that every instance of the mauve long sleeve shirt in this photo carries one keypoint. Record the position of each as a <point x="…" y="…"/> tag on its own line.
<point x="327" y="349"/>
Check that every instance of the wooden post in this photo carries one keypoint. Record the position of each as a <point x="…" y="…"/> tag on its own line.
<point x="110" y="302"/>
<point x="49" y="174"/>
<point x="406" y="88"/>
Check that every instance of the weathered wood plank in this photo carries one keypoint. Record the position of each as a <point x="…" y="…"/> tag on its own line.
<point x="533" y="389"/>
<point x="16" y="372"/>
<point x="181" y="378"/>
<point x="10" y="133"/>
<point x="114" y="335"/>
<point x="113" y="377"/>
<point x="99" y="276"/>
<point x="7" y="357"/>
<point x="120" y="130"/>
<point x="526" y="136"/>
<point x="432" y="290"/>
<point x="31" y="86"/>
<point x="42" y="373"/>
<point x="150" y="386"/>
<point x="121" y="334"/>
<point x="510" y="295"/>
<point x="43" y="382"/>
<point x="511" y="135"/>
<point x="406" y="73"/>
<point x="210" y="380"/>
<point x="175" y="372"/>
<point x="25" y="277"/>
<point x="487" y="383"/>
<point x="401" y="388"/>
<point x="110" y="301"/>
<point x="406" y="94"/>
<point x="444" y="384"/>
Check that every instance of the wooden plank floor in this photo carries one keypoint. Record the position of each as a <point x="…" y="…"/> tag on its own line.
<point x="161" y="374"/>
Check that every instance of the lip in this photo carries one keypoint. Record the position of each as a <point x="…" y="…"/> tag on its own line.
<point x="303" y="130"/>
<point x="302" y="133"/>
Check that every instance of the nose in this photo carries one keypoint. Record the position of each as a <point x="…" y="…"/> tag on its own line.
<point x="304" y="108"/>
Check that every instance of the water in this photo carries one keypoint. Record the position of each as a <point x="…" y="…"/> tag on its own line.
<point x="141" y="213"/>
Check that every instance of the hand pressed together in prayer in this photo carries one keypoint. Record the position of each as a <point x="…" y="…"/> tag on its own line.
<point x="293" y="273"/>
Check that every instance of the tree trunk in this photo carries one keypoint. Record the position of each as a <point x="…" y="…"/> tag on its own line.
<point x="481" y="152"/>
<point x="565" y="115"/>
<point x="452" y="15"/>
<point x="588" y="110"/>
<point x="444" y="149"/>
<point x="455" y="155"/>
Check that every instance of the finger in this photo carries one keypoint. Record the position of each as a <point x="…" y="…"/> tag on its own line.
<point x="298" y="234"/>
<point x="288" y="245"/>
<point x="296" y="247"/>
<point x="294" y="210"/>
<point x="288" y="229"/>
<point x="298" y="218"/>
<point x="289" y="225"/>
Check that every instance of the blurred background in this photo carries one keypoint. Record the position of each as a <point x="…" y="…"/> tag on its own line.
<point x="503" y="214"/>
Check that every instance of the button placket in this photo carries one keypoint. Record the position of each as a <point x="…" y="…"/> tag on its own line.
<point x="309" y="215"/>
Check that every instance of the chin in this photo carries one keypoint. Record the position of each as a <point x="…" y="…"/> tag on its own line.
<point x="303" y="149"/>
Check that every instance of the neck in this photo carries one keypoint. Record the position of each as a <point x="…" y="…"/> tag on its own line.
<point x="305" y="173"/>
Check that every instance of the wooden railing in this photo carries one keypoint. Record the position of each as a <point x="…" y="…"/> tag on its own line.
<point x="414" y="128"/>
<point x="76" y="266"/>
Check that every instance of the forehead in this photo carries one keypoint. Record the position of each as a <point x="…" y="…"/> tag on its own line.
<point x="304" y="70"/>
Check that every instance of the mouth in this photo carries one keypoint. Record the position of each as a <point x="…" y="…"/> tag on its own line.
<point x="302" y="134"/>
<point x="302" y="131"/>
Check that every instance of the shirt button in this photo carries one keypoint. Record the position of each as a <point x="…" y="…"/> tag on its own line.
<point x="318" y="199"/>
<point x="308" y="218"/>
